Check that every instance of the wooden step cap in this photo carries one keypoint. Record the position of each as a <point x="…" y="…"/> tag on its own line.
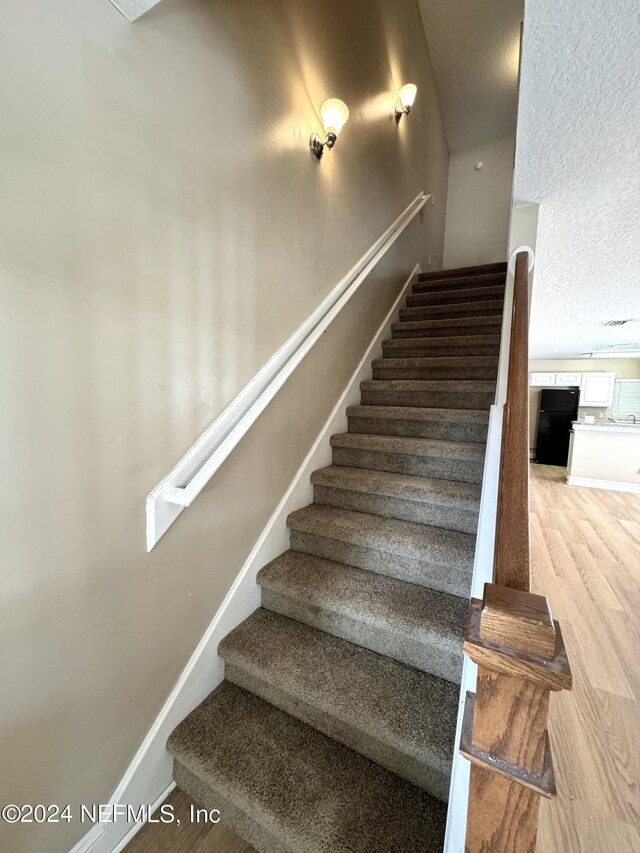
<point x="518" y="619"/>
<point x="553" y="673"/>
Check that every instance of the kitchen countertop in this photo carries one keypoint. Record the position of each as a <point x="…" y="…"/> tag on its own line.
<point x="608" y="426"/>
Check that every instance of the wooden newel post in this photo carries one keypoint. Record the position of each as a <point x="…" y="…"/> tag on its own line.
<point x="521" y="657"/>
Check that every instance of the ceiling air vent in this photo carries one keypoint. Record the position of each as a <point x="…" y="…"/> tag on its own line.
<point x="616" y="322"/>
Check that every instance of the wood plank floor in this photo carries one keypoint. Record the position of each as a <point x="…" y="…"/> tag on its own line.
<point x="586" y="559"/>
<point x="188" y="836"/>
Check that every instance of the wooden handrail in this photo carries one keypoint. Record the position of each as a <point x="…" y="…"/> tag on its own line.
<point x="515" y="642"/>
<point x="512" y="559"/>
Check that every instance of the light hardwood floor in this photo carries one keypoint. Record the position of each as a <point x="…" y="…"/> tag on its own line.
<point x="187" y="837"/>
<point x="586" y="560"/>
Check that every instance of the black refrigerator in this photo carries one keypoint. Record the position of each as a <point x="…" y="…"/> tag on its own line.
<point x="557" y="410"/>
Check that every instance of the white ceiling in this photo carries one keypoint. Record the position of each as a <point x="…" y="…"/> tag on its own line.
<point x="474" y="47"/>
<point x="578" y="155"/>
<point x="133" y="9"/>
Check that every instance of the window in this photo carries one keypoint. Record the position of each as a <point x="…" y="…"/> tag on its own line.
<point x="626" y="398"/>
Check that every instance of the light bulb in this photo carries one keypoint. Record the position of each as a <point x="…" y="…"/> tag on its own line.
<point x="407" y="94"/>
<point x="335" y="114"/>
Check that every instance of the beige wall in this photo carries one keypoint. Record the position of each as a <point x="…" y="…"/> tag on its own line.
<point x="478" y="204"/>
<point x="624" y="368"/>
<point x="163" y="229"/>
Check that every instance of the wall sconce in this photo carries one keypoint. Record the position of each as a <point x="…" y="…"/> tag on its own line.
<point x="407" y="95"/>
<point x="335" y="114"/>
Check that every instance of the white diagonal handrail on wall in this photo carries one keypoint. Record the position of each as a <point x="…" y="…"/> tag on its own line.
<point x="192" y="473"/>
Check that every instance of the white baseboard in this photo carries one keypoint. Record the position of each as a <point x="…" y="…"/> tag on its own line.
<point x="138" y="826"/>
<point x="148" y="779"/>
<point x="612" y="485"/>
<point x="94" y="841"/>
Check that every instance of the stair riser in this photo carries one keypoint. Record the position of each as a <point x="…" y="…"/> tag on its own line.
<point x="435" y="399"/>
<point x="453" y="578"/>
<point x="429" y="347"/>
<point x="238" y="819"/>
<point x="434" y="372"/>
<point x="428" y="653"/>
<point x="402" y="332"/>
<point x="452" y="285"/>
<point x="451" y="297"/>
<point x="463" y="471"/>
<point x="447" y="430"/>
<point x="435" y="780"/>
<point x="451" y="518"/>
<point x="450" y="312"/>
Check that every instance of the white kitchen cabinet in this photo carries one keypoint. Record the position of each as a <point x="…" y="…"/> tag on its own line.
<point x="596" y="389"/>
<point x="568" y="378"/>
<point x="542" y="379"/>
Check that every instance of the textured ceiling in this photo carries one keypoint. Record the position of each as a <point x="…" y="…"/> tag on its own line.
<point x="578" y="156"/>
<point x="132" y="9"/>
<point x="474" y="47"/>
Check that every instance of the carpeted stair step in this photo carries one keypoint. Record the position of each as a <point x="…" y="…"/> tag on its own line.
<point x="421" y="457"/>
<point x="463" y="326"/>
<point x="451" y="296"/>
<point x="453" y="346"/>
<point x="456" y="272"/>
<point x="482" y="307"/>
<point x="396" y="715"/>
<point x="411" y="624"/>
<point x="444" y="367"/>
<point x="440" y="503"/>
<point x="435" y="393"/>
<point x="287" y="788"/>
<point x="416" y="422"/>
<point x="449" y="285"/>
<point x="426" y="556"/>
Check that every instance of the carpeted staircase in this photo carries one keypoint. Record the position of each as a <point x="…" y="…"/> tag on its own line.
<point x="334" y="728"/>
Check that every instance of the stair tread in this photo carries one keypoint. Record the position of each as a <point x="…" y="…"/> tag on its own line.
<point x="442" y="341"/>
<point x="460" y="361"/>
<point x="458" y="307"/>
<point x="413" y="711"/>
<point x="448" y="322"/>
<point x="472" y="385"/>
<point x="402" y="607"/>
<point x="461" y="450"/>
<point x="476" y="294"/>
<point x="303" y="790"/>
<point x="425" y="285"/>
<point x="476" y="269"/>
<point x="418" y="413"/>
<point x="449" y="493"/>
<point x="387" y="535"/>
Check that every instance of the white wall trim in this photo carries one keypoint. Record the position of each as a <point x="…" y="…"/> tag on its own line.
<point x="611" y="485"/>
<point x="192" y="473"/>
<point x="135" y="829"/>
<point x="93" y="842"/>
<point x="149" y="776"/>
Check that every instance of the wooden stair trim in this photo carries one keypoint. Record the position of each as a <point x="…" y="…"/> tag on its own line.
<point x="513" y="638"/>
<point x="543" y="783"/>
<point x="551" y="673"/>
